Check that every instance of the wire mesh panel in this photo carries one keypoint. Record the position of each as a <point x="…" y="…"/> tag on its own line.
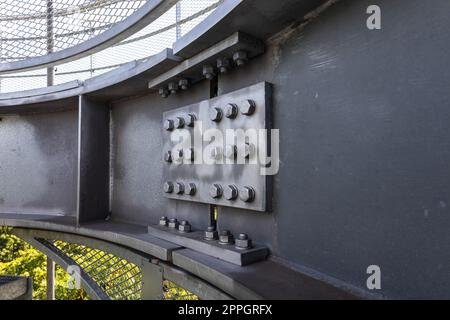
<point x="172" y="291"/>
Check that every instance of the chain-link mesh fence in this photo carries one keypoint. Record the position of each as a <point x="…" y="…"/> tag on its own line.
<point x="96" y="17"/>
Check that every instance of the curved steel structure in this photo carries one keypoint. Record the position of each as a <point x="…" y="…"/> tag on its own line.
<point x="85" y="162"/>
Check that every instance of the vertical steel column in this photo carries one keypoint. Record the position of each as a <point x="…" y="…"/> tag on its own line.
<point x="177" y="19"/>
<point x="50" y="279"/>
<point x="50" y="41"/>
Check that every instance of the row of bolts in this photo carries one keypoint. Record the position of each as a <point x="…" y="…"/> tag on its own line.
<point x="209" y="72"/>
<point x="225" y="237"/>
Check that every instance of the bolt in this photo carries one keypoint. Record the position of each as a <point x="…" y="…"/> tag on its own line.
<point x="226" y="237"/>
<point x="215" y="114"/>
<point x="189" y="154"/>
<point x="223" y="64"/>
<point x="163" y="221"/>
<point x="249" y="150"/>
<point x="247" y="107"/>
<point x="179" y="122"/>
<point x="184" y="226"/>
<point x="173" y="87"/>
<point x="231" y="192"/>
<point x="211" y="234"/>
<point x="178" y="155"/>
<point x="191" y="118"/>
<point x="178" y="188"/>
<point x="209" y="72"/>
<point x="215" y="191"/>
<point x="191" y="189"/>
<point x="168" y="125"/>
<point x="230" y="151"/>
<point x="231" y="111"/>
<point x="240" y="58"/>
<point x="216" y="153"/>
<point x="247" y="194"/>
<point x="173" y="223"/>
<point x="184" y="84"/>
<point x="163" y="92"/>
<point x="168" y="156"/>
<point x="168" y="187"/>
<point x="243" y="242"/>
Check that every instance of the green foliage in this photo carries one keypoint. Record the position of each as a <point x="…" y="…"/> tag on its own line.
<point x="19" y="258"/>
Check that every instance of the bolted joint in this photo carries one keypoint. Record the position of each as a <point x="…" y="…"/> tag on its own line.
<point x="226" y="237"/>
<point x="211" y="234"/>
<point x="215" y="191"/>
<point x="163" y="221"/>
<point x="247" y="194"/>
<point x="168" y="187"/>
<point x="215" y="114"/>
<point x="179" y="122"/>
<point x="216" y="153"/>
<point x="230" y="151"/>
<point x="178" y="188"/>
<point x="231" y="192"/>
<point x="169" y="125"/>
<point x="209" y="72"/>
<point x="243" y="242"/>
<point x="240" y="58"/>
<point x="231" y="111"/>
<point x="189" y="154"/>
<point x="223" y="64"/>
<point x="173" y="87"/>
<point x="247" y="107"/>
<point x="168" y="157"/>
<point x="184" y="226"/>
<point x="190" y="120"/>
<point x="184" y="84"/>
<point x="173" y="223"/>
<point x="177" y="155"/>
<point x="163" y="92"/>
<point x="191" y="189"/>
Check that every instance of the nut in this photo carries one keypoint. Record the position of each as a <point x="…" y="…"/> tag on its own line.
<point x="163" y="92"/>
<point x="184" y="226"/>
<point x="226" y="237"/>
<point x="177" y="155"/>
<point x="230" y="151"/>
<point x="231" y="111"/>
<point x="223" y="64"/>
<point x="173" y="223"/>
<point x="240" y="58"/>
<point x="168" y="187"/>
<point x="247" y="107"/>
<point x="231" y="192"/>
<point x="179" y="122"/>
<point x="209" y="72"/>
<point x="178" y="188"/>
<point x="211" y="234"/>
<point x="189" y="154"/>
<point x="216" y="153"/>
<point x="243" y="242"/>
<point x="184" y="84"/>
<point x="215" y="114"/>
<point x="191" y="189"/>
<point x="163" y="221"/>
<point x="215" y="191"/>
<point x="190" y="120"/>
<point x="168" y="156"/>
<point x="247" y="194"/>
<point x="173" y="87"/>
<point x="169" y="125"/>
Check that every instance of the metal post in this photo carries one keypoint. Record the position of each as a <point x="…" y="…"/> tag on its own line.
<point x="50" y="41"/>
<point x="178" y="18"/>
<point x="50" y="279"/>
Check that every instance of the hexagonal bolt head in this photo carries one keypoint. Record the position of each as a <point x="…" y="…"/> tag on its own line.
<point x="169" y="125"/>
<point x="190" y="120"/>
<point x="243" y="242"/>
<point x="173" y="87"/>
<point x="178" y="188"/>
<point x="226" y="237"/>
<point x="247" y="194"/>
<point x="211" y="234"/>
<point x="230" y="151"/>
<point x="209" y="72"/>
<point x="184" y="226"/>
<point x="223" y="64"/>
<point x="247" y="107"/>
<point x="173" y="223"/>
<point x="168" y="187"/>
<point x="231" y="192"/>
<point x="189" y="154"/>
<point x="215" y="114"/>
<point x="191" y="189"/>
<point x="177" y="155"/>
<point x="179" y="122"/>
<point x="163" y="221"/>
<point x="163" y="92"/>
<point x="240" y="58"/>
<point x="231" y="111"/>
<point x="216" y="153"/>
<point x="168" y="156"/>
<point x="184" y="84"/>
<point x="215" y="191"/>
